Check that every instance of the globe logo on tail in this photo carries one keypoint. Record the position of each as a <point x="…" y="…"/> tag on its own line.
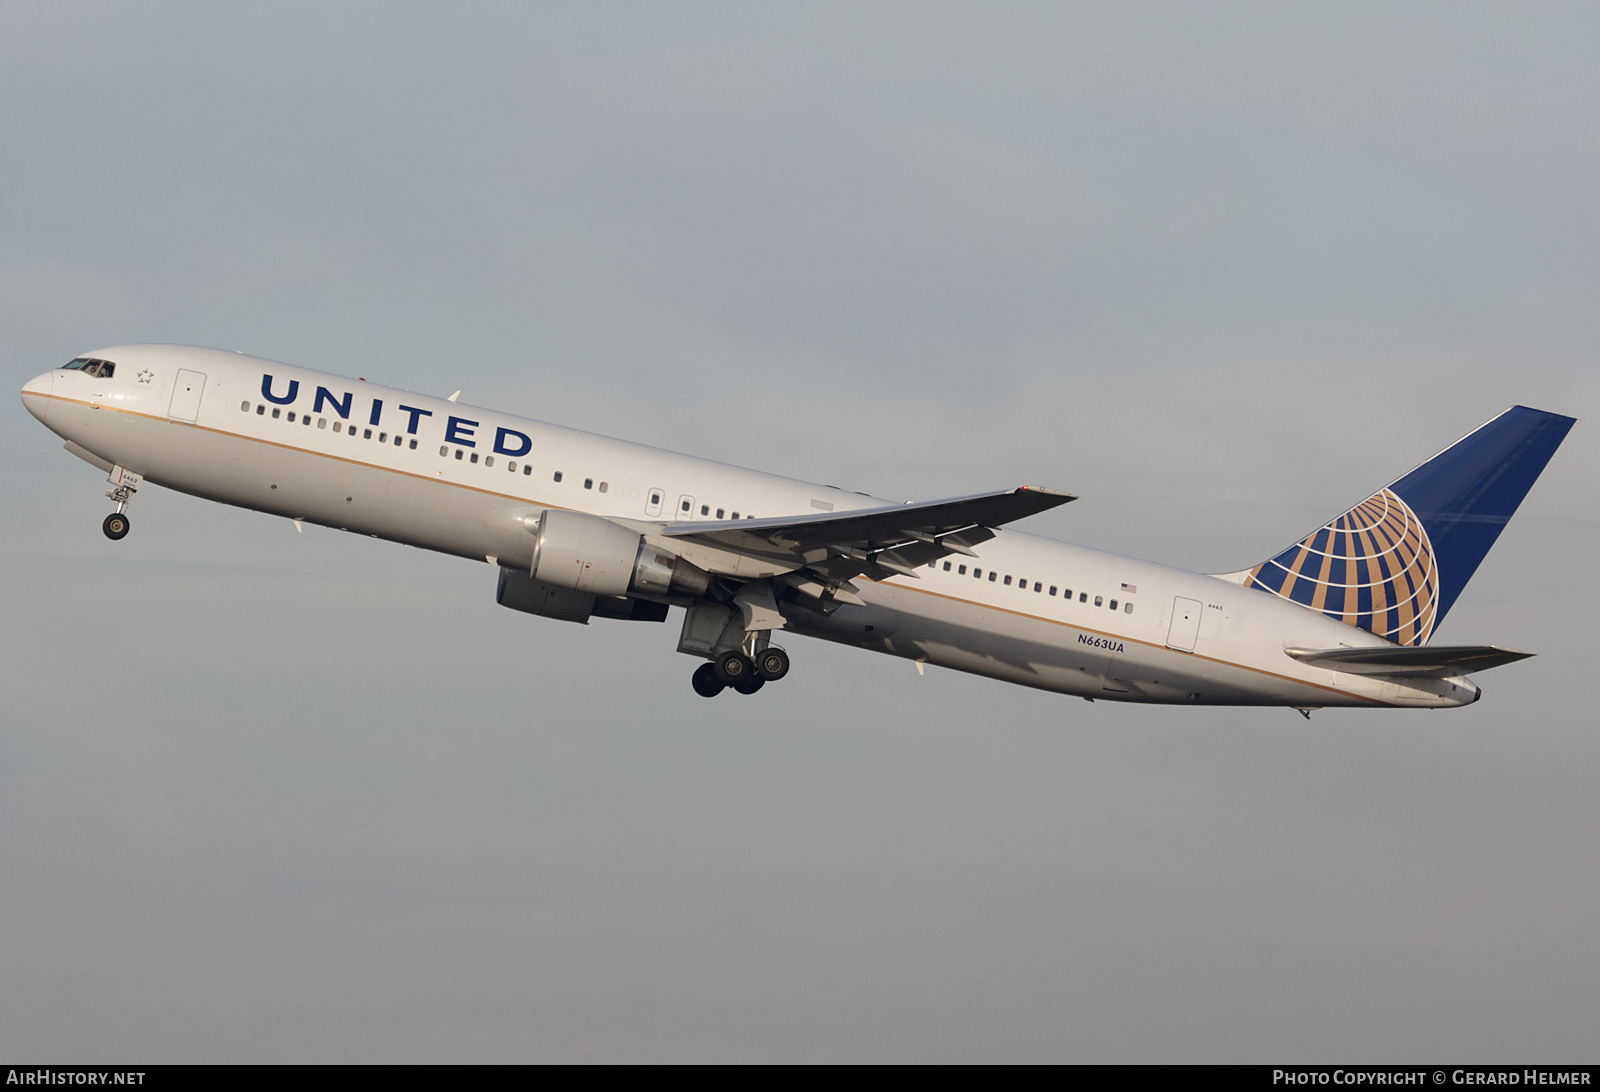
<point x="1372" y="568"/>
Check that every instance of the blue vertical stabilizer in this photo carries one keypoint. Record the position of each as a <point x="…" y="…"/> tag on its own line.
<point x="1395" y="563"/>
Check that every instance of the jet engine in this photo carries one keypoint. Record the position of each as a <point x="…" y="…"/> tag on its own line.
<point x="590" y="554"/>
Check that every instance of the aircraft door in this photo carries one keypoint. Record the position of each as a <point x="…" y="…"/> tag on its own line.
<point x="1185" y="624"/>
<point x="186" y="392"/>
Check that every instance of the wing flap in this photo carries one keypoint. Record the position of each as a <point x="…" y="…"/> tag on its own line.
<point x="1410" y="661"/>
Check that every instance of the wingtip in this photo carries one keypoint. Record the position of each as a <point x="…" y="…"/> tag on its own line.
<point x="1046" y="491"/>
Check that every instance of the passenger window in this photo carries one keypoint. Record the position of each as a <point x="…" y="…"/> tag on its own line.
<point x="962" y="570"/>
<point x="1083" y="597"/>
<point x="383" y="437"/>
<point x="1098" y="600"/>
<point x="275" y="411"/>
<point x="1008" y="581"/>
<point x="655" y="499"/>
<point x="1038" y="586"/>
<point x="322" y="422"/>
<point x="684" y="506"/>
<point x="512" y="466"/>
<point x="527" y="468"/>
<point x="588" y="483"/>
<point x="488" y="460"/>
<point x="413" y="445"/>
<point x="398" y="440"/>
<point x="291" y="417"/>
<point x="474" y="457"/>
<point x="977" y="574"/>
<point x="558" y="475"/>
<point x="735" y="515"/>
<point x="705" y="509"/>
<point x="947" y="566"/>
<point x="1052" y="589"/>
<point x="459" y="454"/>
<point x="604" y="486"/>
<point x="720" y="512"/>
<point x="244" y="407"/>
<point x="366" y="434"/>
<point x="992" y="575"/>
<point x="1113" y="604"/>
<point x="338" y="426"/>
<point x="1127" y="608"/>
<point x="445" y="450"/>
<point x="260" y="410"/>
<point x="306" y="420"/>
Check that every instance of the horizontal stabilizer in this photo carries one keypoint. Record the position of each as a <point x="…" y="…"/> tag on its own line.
<point x="1410" y="661"/>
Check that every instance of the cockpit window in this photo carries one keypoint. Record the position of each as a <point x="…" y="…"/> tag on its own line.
<point x="88" y="366"/>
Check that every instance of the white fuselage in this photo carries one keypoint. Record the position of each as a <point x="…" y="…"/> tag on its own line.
<point x="454" y="478"/>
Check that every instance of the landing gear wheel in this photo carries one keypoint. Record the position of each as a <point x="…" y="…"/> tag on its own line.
<point x="733" y="666"/>
<point x="115" y="526"/>
<point x="706" y="683"/>
<point x="772" y="664"/>
<point x="750" y="684"/>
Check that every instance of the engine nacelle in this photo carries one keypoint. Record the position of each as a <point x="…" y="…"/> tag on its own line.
<point x="521" y="592"/>
<point x="594" y="555"/>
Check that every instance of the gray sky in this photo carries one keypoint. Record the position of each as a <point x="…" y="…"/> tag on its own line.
<point x="1221" y="269"/>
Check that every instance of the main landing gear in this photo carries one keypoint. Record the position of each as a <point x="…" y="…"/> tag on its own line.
<point x="743" y="673"/>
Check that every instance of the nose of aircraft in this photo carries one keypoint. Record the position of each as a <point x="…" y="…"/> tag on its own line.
<point x="36" y="394"/>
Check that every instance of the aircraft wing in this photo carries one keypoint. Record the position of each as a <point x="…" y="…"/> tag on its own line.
<point x="1410" y="661"/>
<point x="878" y="542"/>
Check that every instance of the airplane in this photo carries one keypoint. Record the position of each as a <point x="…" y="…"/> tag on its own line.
<point x="581" y="526"/>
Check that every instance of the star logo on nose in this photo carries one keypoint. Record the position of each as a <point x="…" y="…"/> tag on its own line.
<point x="145" y="376"/>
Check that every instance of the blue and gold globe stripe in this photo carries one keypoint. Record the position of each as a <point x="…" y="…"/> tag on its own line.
<point x="1373" y="568"/>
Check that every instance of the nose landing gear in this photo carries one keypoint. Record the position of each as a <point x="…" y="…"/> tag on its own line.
<point x="124" y="483"/>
